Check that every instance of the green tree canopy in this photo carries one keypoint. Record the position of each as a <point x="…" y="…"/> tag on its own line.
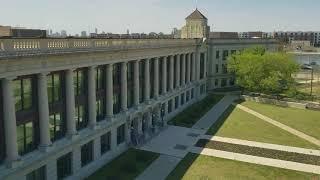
<point x="258" y="70"/>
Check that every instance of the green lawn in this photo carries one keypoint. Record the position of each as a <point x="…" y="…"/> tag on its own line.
<point x="306" y="121"/>
<point x="198" y="167"/>
<point x="125" y="167"/>
<point x="238" y="124"/>
<point x="192" y="114"/>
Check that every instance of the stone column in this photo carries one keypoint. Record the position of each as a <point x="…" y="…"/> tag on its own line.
<point x="147" y="80"/>
<point x="92" y="97"/>
<point x="198" y="55"/>
<point x="177" y="71"/>
<point x="183" y="70"/>
<point x="70" y="104"/>
<point x="109" y="92"/>
<point x="171" y="75"/>
<point x="193" y="67"/>
<point x="164" y="75"/>
<point x="205" y="65"/>
<point x="124" y="87"/>
<point x="45" y="140"/>
<point x="9" y="117"/>
<point x="188" y="68"/>
<point x="156" y="78"/>
<point x="136" y="83"/>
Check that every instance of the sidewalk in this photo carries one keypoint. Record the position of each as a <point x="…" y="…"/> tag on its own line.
<point x="280" y="125"/>
<point x="257" y="160"/>
<point x="213" y="115"/>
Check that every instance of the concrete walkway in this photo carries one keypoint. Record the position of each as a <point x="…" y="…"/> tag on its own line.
<point x="257" y="160"/>
<point x="280" y="125"/>
<point x="160" y="168"/>
<point x="263" y="145"/>
<point x="174" y="142"/>
<point x="213" y="115"/>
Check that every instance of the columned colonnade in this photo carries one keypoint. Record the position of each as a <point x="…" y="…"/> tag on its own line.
<point x="184" y="69"/>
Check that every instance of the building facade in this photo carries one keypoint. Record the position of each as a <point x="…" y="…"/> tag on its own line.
<point x="196" y="26"/>
<point x="69" y="106"/>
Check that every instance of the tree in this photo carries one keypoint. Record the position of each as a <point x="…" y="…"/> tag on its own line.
<point x="258" y="70"/>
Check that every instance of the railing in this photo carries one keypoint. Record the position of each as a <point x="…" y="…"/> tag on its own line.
<point x="26" y="47"/>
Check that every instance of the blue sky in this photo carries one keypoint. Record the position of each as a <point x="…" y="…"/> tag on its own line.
<point x="160" y="15"/>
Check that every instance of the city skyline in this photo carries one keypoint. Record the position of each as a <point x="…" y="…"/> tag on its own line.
<point x="117" y="17"/>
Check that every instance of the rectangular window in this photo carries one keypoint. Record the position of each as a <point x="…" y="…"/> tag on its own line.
<point x="216" y="83"/>
<point x="57" y="126"/>
<point x="223" y="82"/>
<point x="79" y="80"/>
<point x="54" y="87"/>
<point x="25" y="138"/>
<point x="121" y="134"/>
<point x="224" y="69"/>
<point x="152" y="75"/>
<point x="100" y="72"/>
<point x="182" y="99"/>
<point x="160" y="74"/>
<point x="81" y="117"/>
<point x="105" y="141"/>
<point x="217" y="54"/>
<point x="175" y="65"/>
<point x="202" y="89"/>
<point x="188" y="96"/>
<point x="176" y="102"/>
<point x="141" y="80"/>
<point x="170" y="106"/>
<point x="56" y="105"/>
<point x="225" y="54"/>
<point x="64" y="166"/>
<point x="23" y="93"/>
<point x="217" y="68"/>
<point x="100" y="109"/>
<point x="192" y="93"/>
<point x="202" y="61"/>
<point x="116" y="102"/>
<point x="38" y="174"/>
<point x="168" y="73"/>
<point x="86" y="153"/>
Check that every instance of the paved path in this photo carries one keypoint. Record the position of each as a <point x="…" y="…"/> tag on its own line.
<point x="213" y="115"/>
<point x="173" y="143"/>
<point x="160" y="168"/>
<point x="280" y="125"/>
<point x="263" y="145"/>
<point x="257" y="160"/>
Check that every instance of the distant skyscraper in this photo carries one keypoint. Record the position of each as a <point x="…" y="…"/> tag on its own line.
<point x="64" y="33"/>
<point x="96" y="30"/>
<point x="83" y="34"/>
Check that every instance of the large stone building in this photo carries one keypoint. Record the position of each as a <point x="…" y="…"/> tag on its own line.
<point x="69" y="106"/>
<point x="196" y="26"/>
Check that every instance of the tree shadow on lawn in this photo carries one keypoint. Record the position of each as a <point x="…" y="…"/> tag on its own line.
<point x="184" y="165"/>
